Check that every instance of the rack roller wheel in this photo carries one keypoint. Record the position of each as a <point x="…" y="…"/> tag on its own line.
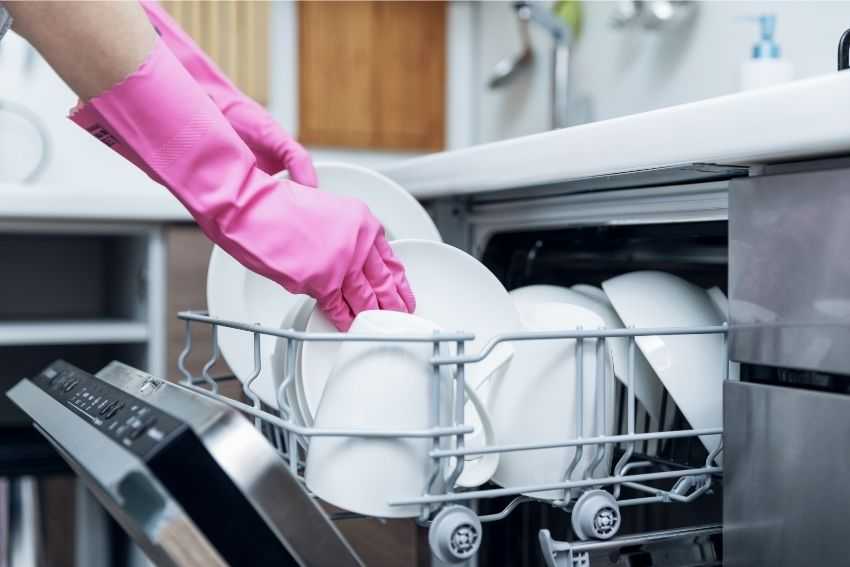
<point x="455" y="534"/>
<point x="596" y="515"/>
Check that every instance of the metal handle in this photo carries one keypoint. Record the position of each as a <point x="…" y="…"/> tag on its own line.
<point x="844" y="51"/>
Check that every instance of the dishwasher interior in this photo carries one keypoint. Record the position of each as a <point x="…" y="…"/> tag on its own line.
<point x="590" y="254"/>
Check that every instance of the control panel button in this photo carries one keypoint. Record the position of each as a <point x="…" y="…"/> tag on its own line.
<point x="142" y="427"/>
<point x="155" y="434"/>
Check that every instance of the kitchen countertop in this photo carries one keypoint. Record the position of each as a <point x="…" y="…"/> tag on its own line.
<point x="799" y="120"/>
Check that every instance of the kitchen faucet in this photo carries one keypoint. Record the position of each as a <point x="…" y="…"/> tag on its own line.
<point x="562" y="35"/>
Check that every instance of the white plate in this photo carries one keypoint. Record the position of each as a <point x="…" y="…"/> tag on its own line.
<point x="452" y="289"/>
<point x="688" y="365"/>
<point x="648" y="388"/>
<point x="536" y="401"/>
<point x="296" y="320"/>
<point x="592" y="292"/>
<point x="237" y="294"/>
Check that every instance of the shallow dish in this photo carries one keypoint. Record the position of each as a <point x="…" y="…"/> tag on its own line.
<point x="648" y="388"/>
<point x="536" y="402"/>
<point x="592" y="291"/>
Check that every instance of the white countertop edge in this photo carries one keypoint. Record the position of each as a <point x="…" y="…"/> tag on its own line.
<point x="89" y="204"/>
<point x="802" y="119"/>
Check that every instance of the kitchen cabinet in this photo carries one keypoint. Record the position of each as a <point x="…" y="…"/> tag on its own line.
<point x="87" y="292"/>
<point x="235" y="35"/>
<point x="372" y="74"/>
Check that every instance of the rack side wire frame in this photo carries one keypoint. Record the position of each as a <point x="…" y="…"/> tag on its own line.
<point x="448" y="452"/>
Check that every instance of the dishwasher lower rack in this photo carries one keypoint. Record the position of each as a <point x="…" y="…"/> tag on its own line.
<point x="455" y="529"/>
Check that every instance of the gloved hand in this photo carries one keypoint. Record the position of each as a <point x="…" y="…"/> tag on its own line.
<point x="274" y="148"/>
<point x="312" y="242"/>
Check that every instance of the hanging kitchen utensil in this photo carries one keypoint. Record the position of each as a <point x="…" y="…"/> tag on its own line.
<point x="508" y="68"/>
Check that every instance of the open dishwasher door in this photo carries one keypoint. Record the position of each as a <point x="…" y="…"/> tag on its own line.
<point x="189" y="479"/>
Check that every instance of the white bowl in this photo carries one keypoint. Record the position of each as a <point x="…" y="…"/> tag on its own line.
<point x="452" y="289"/>
<point x="457" y="293"/>
<point x="386" y="385"/>
<point x="238" y="294"/>
<point x="536" y="401"/>
<point x="690" y="366"/>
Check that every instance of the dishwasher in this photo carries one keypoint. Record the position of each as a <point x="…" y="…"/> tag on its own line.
<point x="770" y="236"/>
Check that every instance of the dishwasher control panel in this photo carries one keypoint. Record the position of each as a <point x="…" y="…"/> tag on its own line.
<point x="138" y="426"/>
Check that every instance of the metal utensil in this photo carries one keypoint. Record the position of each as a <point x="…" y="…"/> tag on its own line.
<point x="508" y="68"/>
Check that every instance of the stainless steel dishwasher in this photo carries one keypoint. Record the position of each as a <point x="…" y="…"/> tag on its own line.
<point x="773" y="237"/>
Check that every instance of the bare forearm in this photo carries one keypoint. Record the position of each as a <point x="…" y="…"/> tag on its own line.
<point x="91" y="45"/>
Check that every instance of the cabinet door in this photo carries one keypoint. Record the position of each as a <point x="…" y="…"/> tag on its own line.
<point x="235" y="35"/>
<point x="372" y="74"/>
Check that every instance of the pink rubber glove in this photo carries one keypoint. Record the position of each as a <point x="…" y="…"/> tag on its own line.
<point x="274" y="148"/>
<point x="329" y="247"/>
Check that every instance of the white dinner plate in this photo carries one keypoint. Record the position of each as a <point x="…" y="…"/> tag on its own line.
<point x="296" y="320"/>
<point x="536" y="402"/>
<point x="238" y="294"/>
<point x="592" y="292"/>
<point x="690" y="366"/>
<point x="648" y="388"/>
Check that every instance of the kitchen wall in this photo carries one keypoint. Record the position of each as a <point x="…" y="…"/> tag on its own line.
<point x="615" y="73"/>
<point x="75" y="158"/>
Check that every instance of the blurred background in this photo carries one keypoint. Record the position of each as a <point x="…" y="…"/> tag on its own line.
<point x="379" y="82"/>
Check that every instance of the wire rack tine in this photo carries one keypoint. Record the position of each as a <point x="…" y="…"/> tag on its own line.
<point x="458" y="417"/>
<point x="435" y="462"/>
<point x="205" y="372"/>
<point x="579" y="418"/>
<point x="258" y="367"/>
<point x="601" y="423"/>
<point x="184" y="354"/>
<point x="630" y="410"/>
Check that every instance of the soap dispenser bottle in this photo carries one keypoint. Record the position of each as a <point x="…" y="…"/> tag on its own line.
<point x="766" y="66"/>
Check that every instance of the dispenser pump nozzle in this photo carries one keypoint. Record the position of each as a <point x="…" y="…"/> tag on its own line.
<point x="766" y="47"/>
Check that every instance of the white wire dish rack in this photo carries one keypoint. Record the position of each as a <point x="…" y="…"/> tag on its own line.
<point x="455" y="529"/>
